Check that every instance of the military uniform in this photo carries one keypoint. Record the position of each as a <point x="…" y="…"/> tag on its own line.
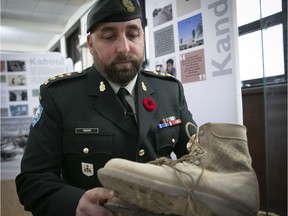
<point x="82" y="126"/>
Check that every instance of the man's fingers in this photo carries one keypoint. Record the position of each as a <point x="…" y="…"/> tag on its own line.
<point x="98" y="195"/>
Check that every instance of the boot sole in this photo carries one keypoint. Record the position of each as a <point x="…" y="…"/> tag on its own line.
<point x="122" y="208"/>
<point x="148" y="194"/>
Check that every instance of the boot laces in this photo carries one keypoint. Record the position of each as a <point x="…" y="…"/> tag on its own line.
<point x="196" y="152"/>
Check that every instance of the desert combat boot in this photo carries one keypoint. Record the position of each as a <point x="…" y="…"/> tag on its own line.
<point x="215" y="178"/>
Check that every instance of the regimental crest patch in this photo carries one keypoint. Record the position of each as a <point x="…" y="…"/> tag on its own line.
<point x="87" y="169"/>
<point x="128" y="4"/>
<point x="37" y="115"/>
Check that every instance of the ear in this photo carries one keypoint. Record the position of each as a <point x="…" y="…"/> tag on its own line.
<point x="90" y="43"/>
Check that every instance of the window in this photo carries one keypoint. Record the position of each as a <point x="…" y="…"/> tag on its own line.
<point x="72" y="43"/>
<point x="262" y="41"/>
<point x="250" y="53"/>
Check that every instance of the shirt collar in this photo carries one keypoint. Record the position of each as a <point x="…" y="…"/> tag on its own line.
<point x="130" y="86"/>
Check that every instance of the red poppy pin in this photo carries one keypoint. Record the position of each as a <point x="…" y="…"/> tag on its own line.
<point x="149" y="104"/>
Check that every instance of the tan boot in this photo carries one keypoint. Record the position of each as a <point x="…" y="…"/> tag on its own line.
<point x="215" y="178"/>
<point x="122" y="208"/>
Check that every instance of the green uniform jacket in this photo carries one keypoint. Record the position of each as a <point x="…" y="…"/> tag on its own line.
<point x="80" y="125"/>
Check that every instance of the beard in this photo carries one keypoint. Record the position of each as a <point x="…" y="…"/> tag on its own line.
<point x="120" y="76"/>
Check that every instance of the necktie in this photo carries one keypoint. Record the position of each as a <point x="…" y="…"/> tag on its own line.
<point x="128" y="110"/>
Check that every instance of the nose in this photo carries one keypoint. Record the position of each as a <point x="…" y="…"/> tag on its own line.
<point x="123" y="45"/>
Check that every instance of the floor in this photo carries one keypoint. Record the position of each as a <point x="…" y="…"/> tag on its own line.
<point x="10" y="205"/>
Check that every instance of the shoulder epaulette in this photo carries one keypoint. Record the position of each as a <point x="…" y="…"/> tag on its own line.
<point x="157" y="74"/>
<point x="64" y="76"/>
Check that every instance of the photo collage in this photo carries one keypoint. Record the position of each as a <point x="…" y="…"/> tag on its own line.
<point x="179" y="40"/>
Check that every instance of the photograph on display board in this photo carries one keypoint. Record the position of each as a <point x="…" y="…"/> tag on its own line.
<point x="19" y="110"/>
<point x="14" y="133"/>
<point x="16" y="66"/>
<point x="3" y="79"/>
<point x="162" y="15"/>
<point x="166" y="66"/>
<point x="2" y="66"/>
<point x="190" y="32"/>
<point x="192" y="66"/>
<point x="187" y="6"/>
<point x="17" y="95"/>
<point x="16" y="80"/>
<point x="170" y="67"/>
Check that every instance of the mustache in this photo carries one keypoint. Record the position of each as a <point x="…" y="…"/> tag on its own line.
<point x="123" y="57"/>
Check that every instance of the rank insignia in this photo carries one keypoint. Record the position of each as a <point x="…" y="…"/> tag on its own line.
<point x="87" y="169"/>
<point x="102" y="86"/>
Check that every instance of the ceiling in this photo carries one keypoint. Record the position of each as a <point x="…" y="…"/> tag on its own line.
<point x="36" y="25"/>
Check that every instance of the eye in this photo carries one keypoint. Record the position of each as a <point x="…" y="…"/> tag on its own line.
<point x="133" y="35"/>
<point x="108" y="37"/>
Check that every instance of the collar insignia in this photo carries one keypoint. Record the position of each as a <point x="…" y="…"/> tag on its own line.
<point x="102" y="86"/>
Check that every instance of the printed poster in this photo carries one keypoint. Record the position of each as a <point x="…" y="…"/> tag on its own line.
<point x="199" y="40"/>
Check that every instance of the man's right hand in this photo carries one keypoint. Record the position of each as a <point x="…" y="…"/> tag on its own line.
<point x="91" y="203"/>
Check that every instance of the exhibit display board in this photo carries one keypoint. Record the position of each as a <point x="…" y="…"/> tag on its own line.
<point x="21" y="76"/>
<point x="200" y="39"/>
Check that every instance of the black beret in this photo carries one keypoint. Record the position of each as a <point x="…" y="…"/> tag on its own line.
<point x="113" y="11"/>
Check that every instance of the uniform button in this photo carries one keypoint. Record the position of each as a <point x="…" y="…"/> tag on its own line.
<point x="142" y="152"/>
<point x="173" y="141"/>
<point x="85" y="150"/>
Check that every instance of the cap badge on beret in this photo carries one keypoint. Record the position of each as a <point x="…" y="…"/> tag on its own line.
<point x="112" y="11"/>
<point x="128" y="4"/>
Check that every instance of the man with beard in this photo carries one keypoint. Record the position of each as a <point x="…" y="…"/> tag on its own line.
<point x="82" y="121"/>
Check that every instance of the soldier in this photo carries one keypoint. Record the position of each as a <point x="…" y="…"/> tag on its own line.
<point x="113" y="109"/>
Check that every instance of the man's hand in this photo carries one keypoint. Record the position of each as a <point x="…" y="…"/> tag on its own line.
<point x="92" y="200"/>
